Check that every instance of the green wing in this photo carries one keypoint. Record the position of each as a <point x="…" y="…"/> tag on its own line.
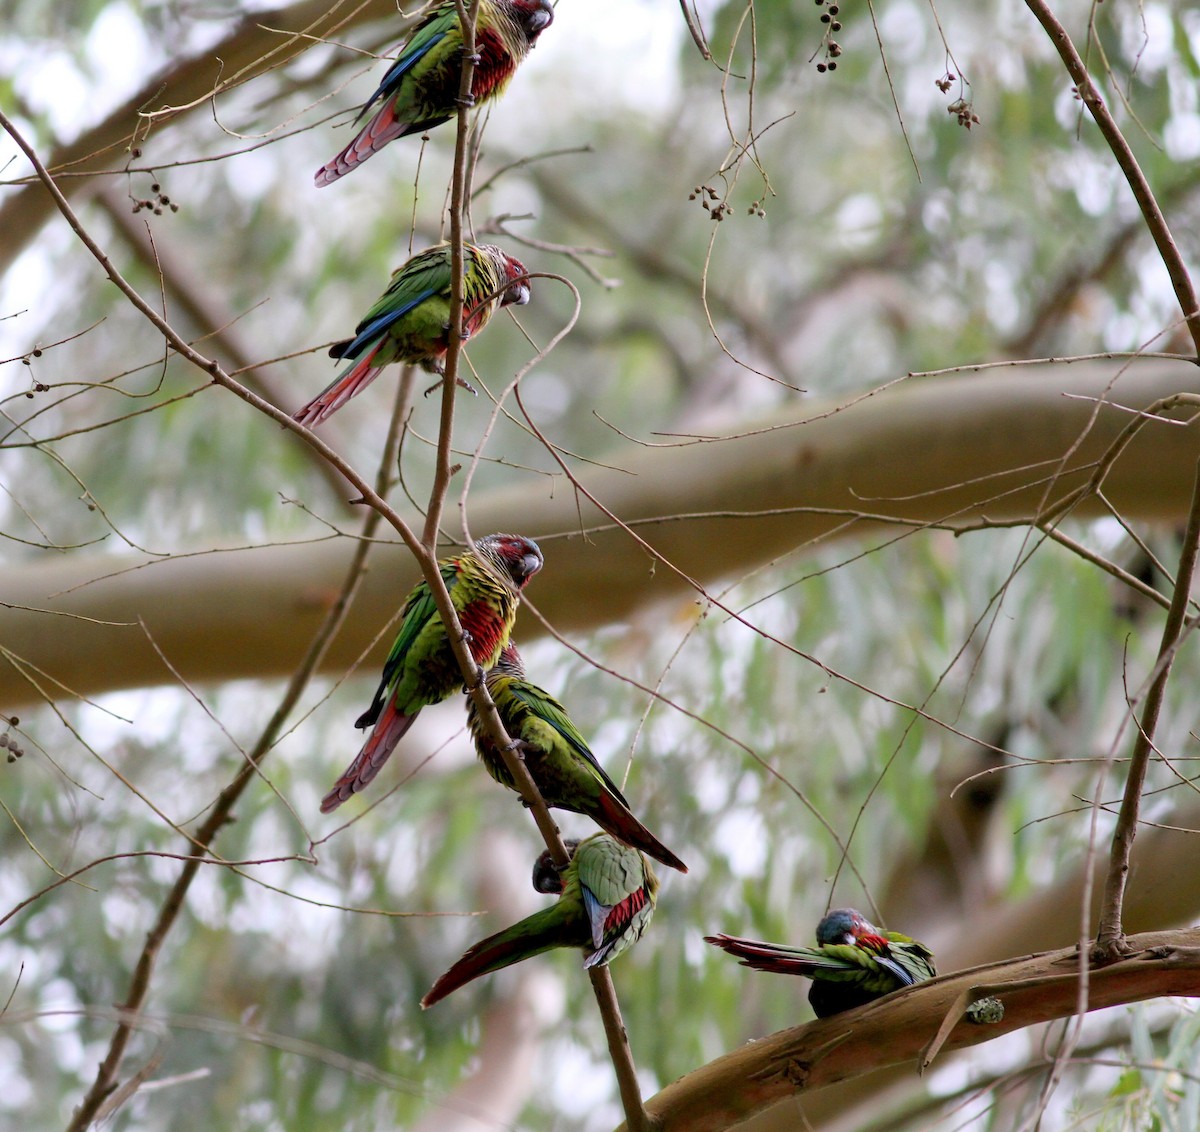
<point x="419" y="610"/>
<point x="911" y="957"/>
<point x="414" y="281"/>
<point x="546" y="708"/>
<point x="607" y="869"/>
<point x="619" y="889"/>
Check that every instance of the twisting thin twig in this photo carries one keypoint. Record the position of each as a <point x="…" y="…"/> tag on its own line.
<point x="1110" y="939"/>
<point x="1155" y="221"/>
<point x="105" y="1082"/>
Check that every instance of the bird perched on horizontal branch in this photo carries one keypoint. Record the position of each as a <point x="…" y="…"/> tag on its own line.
<point x="559" y="761"/>
<point x="421" y="88"/>
<point x="607" y="896"/>
<point x="485" y="587"/>
<point x="853" y="963"/>
<point x="410" y="321"/>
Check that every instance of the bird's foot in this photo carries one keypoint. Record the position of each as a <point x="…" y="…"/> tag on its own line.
<point x="457" y="381"/>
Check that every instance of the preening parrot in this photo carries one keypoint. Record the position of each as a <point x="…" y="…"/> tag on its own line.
<point x="607" y="898"/>
<point x="853" y="963"/>
<point x="562" y="766"/>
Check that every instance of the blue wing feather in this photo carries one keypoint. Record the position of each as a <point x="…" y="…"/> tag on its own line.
<point x="418" y="48"/>
<point x="377" y="326"/>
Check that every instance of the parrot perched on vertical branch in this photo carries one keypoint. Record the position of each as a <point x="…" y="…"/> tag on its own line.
<point x="421" y="88"/>
<point x="853" y="963"/>
<point x="485" y="589"/>
<point x="410" y="322"/>
<point x="563" y="768"/>
<point x="607" y="896"/>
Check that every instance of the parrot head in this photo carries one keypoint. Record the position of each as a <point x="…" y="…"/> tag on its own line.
<point x="844" y="926"/>
<point x="510" y="663"/>
<point x="547" y="876"/>
<point x="514" y="282"/>
<point x="517" y="556"/>
<point x="533" y="17"/>
<point x="518" y="290"/>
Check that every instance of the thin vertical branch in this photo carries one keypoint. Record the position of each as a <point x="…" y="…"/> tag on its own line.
<point x="1110" y="939"/>
<point x="1181" y="280"/>
<point x="424" y="551"/>
<point x="695" y="30"/>
<point x="637" y="1119"/>
<point x="467" y="15"/>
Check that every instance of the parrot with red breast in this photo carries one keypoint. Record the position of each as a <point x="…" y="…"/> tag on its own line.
<point x="410" y="321"/>
<point x="421" y="88"/>
<point x="485" y="585"/>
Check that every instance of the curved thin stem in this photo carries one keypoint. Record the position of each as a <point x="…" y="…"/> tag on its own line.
<point x="1156" y="222"/>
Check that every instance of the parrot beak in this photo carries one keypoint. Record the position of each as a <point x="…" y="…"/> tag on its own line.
<point x="530" y="564"/>
<point x="517" y="295"/>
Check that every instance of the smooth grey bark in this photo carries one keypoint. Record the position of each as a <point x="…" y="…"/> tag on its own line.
<point x="945" y="450"/>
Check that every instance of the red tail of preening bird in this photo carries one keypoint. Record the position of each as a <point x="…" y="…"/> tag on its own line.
<point x="334" y="396"/>
<point x="768" y="956"/>
<point x="389" y="729"/>
<point x="614" y="818"/>
<point x="540" y="932"/>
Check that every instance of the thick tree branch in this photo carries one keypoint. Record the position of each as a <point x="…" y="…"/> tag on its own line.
<point x="714" y="509"/>
<point x="1166" y="890"/>
<point x="898" y="1029"/>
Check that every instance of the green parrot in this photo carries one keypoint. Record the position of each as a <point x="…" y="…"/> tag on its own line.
<point x="421" y="88"/>
<point x="485" y="588"/>
<point x="558" y="759"/>
<point x="853" y="963"/>
<point x="410" y="321"/>
<point x="607" y="896"/>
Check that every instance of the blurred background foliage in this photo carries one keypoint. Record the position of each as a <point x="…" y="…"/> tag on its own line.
<point x="853" y="250"/>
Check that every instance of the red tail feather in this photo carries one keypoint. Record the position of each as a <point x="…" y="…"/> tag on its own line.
<point x="540" y="932"/>
<point x="326" y="403"/>
<point x="372" y="137"/>
<point x="387" y="732"/>
<point x="614" y="818"/>
<point x="765" y="956"/>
